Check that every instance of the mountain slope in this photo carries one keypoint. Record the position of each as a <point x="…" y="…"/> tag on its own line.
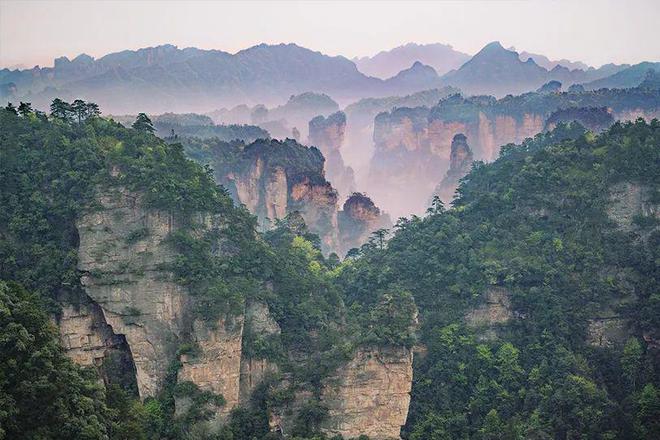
<point x="627" y="78"/>
<point x="549" y="64"/>
<point x="496" y="70"/>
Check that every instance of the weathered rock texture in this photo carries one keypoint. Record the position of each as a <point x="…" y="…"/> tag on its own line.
<point x="328" y="135"/>
<point x="413" y="145"/>
<point x="370" y="395"/>
<point x="460" y="162"/>
<point x="217" y="366"/>
<point x="123" y="277"/>
<point x="254" y="369"/>
<point x="136" y="312"/>
<point x="357" y="220"/>
<point x="629" y="200"/>
<point x="273" y="179"/>
<point x="492" y="314"/>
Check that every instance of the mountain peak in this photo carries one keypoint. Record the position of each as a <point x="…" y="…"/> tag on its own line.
<point x="494" y="46"/>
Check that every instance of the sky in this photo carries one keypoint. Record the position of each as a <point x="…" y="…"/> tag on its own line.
<point x="595" y="32"/>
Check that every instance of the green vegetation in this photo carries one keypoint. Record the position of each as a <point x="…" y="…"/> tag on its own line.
<point x="51" y="169"/>
<point x="534" y="223"/>
<point x="42" y="393"/>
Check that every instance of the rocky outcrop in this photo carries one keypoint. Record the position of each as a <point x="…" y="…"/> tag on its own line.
<point x="608" y="330"/>
<point x="275" y="178"/>
<point x="494" y="312"/>
<point x="89" y="341"/>
<point x="328" y="135"/>
<point x="260" y="325"/>
<point x="358" y="218"/>
<point x="370" y="395"/>
<point x="412" y="146"/>
<point x="215" y="364"/>
<point x="135" y="311"/>
<point x="121" y="252"/>
<point x="460" y="162"/>
<point x="595" y="119"/>
<point x="631" y="203"/>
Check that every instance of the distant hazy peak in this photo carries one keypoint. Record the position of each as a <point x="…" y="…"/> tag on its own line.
<point x="386" y="64"/>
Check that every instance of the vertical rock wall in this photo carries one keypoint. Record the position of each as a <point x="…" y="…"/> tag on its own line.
<point x="370" y="395"/>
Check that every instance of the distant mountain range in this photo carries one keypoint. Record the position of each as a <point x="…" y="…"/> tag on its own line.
<point x="495" y="70"/>
<point x="386" y="64"/>
<point x="630" y="77"/>
<point x="166" y="78"/>
<point x="549" y="64"/>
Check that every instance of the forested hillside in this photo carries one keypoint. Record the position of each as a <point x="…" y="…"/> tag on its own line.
<point x="61" y="168"/>
<point x="537" y="290"/>
<point x="537" y="293"/>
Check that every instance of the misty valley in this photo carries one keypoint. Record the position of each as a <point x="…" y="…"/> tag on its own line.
<point x="276" y="243"/>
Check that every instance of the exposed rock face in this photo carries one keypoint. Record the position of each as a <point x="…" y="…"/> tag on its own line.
<point x="370" y="395"/>
<point x="217" y="366"/>
<point x="273" y="179"/>
<point x="89" y="341"/>
<point x="123" y="277"/>
<point x="328" y="135"/>
<point x="318" y="206"/>
<point x="494" y="312"/>
<point x="254" y="369"/>
<point x="357" y="220"/>
<point x="134" y="307"/>
<point x="413" y="147"/>
<point x="629" y="200"/>
<point x="608" y="330"/>
<point x="85" y="335"/>
<point x="460" y="162"/>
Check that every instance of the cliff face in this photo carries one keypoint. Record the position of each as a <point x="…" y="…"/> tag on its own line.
<point x="328" y="135"/>
<point x="460" y="162"/>
<point x="357" y="220"/>
<point x="413" y="149"/>
<point x="370" y="395"/>
<point x="413" y="145"/>
<point x="273" y="179"/>
<point x="123" y="278"/>
<point x="494" y="312"/>
<point x="135" y="314"/>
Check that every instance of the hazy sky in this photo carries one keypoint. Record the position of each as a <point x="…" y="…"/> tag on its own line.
<point x="596" y="32"/>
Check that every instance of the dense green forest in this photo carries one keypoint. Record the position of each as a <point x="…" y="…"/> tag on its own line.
<point x="536" y="225"/>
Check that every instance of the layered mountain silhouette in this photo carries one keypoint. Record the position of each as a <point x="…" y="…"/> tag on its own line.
<point x="497" y="71"/>
<point x="549" y="64"/>
<point x="629" y="77"/>
<point x="386" y="64"/>
<point x="166" y="78"/>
